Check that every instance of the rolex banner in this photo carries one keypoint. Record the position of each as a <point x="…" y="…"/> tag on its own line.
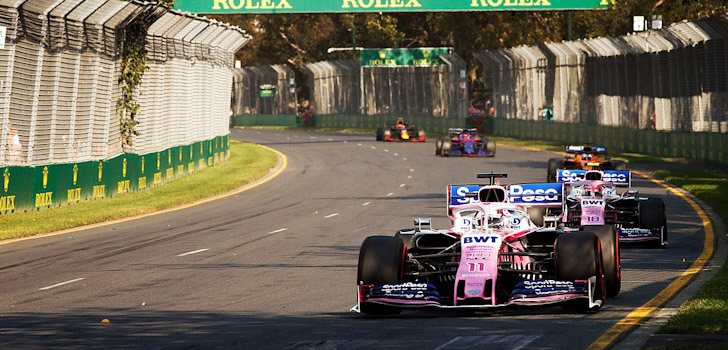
<point x="416" y="57"/>
<point x="352" y="6"/>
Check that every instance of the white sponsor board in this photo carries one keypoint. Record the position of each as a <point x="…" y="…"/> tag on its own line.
<point x="3" y="34"/>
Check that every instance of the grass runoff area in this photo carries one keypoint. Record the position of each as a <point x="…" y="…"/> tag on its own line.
<point x="247" y="163"/>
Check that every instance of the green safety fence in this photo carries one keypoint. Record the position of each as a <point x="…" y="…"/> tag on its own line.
<point x="266" y="120"/>
<point x="701" y="146"/>
<point x="707" y="147"/>
<point x="38" y="187"/>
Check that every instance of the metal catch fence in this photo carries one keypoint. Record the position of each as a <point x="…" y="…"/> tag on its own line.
<point x="59" y="72"/>
<point x="267" y="90"/>
<point x="671" y="79"/>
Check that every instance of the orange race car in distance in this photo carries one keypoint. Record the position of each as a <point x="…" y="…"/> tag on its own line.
<point x="584" y="157"/>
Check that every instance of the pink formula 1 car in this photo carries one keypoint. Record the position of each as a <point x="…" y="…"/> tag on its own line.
<point x="493" y="256"/>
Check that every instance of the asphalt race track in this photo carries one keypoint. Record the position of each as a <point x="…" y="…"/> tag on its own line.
<point x="275" y="267"/>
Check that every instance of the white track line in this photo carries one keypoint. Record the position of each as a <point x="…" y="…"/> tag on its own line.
<point x="365" y="204"/>
<point x="390" y="194"/>
<point x="403" y="158"/>
<point x="412" y="170"/>
<point x="62" y="284"/>
<point x="331" y="215"/>
<point x="358" y="144"/>
<point x="194" y="252"/>
<point x="277" y="231"/>
<point x="373" y="147"/>
<point x="402" y="185"/>
<point x="386" y="150"/>
<point x="396" y="154"/>
<point x="409" y="177"/>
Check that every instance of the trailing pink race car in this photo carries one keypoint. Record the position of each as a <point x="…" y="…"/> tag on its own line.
<point x="492" y="256"/>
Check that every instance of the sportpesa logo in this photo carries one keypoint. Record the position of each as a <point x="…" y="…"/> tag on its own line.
<point x="520" y="193"/>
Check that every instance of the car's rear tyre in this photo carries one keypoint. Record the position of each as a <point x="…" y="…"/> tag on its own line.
<point x="490" y="147"/>
<point x="609" y="239"/>
<point x="553" y="166"/>
<point x="380" y="134"/>
<point x="446" y="148"/>
<point x="579" y="257"/>
<point x="381" y="261"/>
<point x="438" y="147"/>
<point x="652" y="216"/>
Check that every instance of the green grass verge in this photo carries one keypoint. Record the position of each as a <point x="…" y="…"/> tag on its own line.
<point x="707" y="312"/>
<point x="247" y="163"/>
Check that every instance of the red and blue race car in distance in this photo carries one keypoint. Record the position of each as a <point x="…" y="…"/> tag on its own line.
<point x="493" y="256"/>
<point x="464" y="143"/>
<point x="400" y="131"/>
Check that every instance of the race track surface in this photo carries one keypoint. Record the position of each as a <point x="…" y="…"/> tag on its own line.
<point x="275" y="267"/>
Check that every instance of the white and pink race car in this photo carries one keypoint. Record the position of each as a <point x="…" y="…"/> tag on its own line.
<point x="492" y="256"/>
<point x="593" y="198"/>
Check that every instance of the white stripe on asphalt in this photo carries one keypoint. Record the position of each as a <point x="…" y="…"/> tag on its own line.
<point x="373" y="147"/>
<point x="367" y="203"/>
<point x="409" y="177"/>
<point x="412" y="170"/>
<point x="386" y="150"/>
<point x="61" y="284"/>
<point x="402" y="185"/>
<point x="390" y="194"/>
<point x="358" y="144"/>
<point x="396" y="154"/>
<point x="277" y="231"/>
<point x="331" y="215"/>
<point x="194" y="252"/>
<point x="403" y="158"/>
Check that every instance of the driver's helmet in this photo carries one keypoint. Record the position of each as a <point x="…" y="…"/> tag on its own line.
<point x="495" y="220"/>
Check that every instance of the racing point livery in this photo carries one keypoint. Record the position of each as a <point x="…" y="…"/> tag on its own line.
<point x="400" y="131"/>
<point x="584" y="157"/>
<point x="465" y="143"/>
<point x="493" y="256"/>
<point x="593" y="199"/>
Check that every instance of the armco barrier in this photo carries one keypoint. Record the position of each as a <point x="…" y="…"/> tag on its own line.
<point x="29" y="188"/>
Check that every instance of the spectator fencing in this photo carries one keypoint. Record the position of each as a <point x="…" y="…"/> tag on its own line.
<point x="61" y="62"/>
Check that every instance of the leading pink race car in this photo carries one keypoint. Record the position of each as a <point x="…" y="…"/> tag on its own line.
<point x="492" y="256"/>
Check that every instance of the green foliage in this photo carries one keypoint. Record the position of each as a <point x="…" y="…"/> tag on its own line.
<point x="304" y="38"/>
<point x="133" y="66"/>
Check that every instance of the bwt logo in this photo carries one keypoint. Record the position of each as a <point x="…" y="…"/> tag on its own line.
<point x="480" y="239"/>
<point x="536" y="195"/>
<point x="592" y="202"/>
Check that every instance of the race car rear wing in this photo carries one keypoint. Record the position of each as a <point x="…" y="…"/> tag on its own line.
<point x="530" y="194"/>
<point x="573" y="149"/>
<point x="615" y="177"/>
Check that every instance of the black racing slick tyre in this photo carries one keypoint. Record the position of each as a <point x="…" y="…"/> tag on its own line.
<point x="380" y="134"/>
<point x="579" y="257"/>
<point x="609" y="239"/>
<point x="446" y="149"/>
<point x="381" y="261"/>
<point x="553" y="166"/>
<point x="438" y="147"/>
<point x="490" y="148"/>
<point x="652" y="216"/>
